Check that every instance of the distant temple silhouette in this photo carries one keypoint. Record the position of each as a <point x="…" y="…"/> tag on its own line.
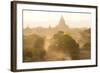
<point x="61" y="26"/>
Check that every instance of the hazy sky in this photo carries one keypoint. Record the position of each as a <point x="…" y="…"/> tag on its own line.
<point x="45" y="19"/>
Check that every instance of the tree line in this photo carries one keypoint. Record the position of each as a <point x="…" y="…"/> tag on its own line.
<point x="62" y="47"/>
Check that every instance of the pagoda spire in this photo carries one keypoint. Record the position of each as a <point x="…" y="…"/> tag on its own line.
<point x="62" y="23"/>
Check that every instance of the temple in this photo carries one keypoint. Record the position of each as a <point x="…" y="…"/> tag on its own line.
<point x="61" y="26"/>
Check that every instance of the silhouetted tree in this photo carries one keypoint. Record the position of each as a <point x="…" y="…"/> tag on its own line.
<point x="64" y="43"/>
<point x="33" y="48"/>
<point x="85" y="51"/>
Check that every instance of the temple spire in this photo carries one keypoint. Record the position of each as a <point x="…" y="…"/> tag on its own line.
<point x="62" y="23"/>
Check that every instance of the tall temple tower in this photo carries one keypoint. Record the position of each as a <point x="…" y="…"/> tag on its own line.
<point x="62" y="24"/>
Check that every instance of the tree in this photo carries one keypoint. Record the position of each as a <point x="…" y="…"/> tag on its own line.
<point x="85" y="37"/>
<point x="85" y="51"/>
<point x="66" y="44"/>
<point x="33" y="48"/>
